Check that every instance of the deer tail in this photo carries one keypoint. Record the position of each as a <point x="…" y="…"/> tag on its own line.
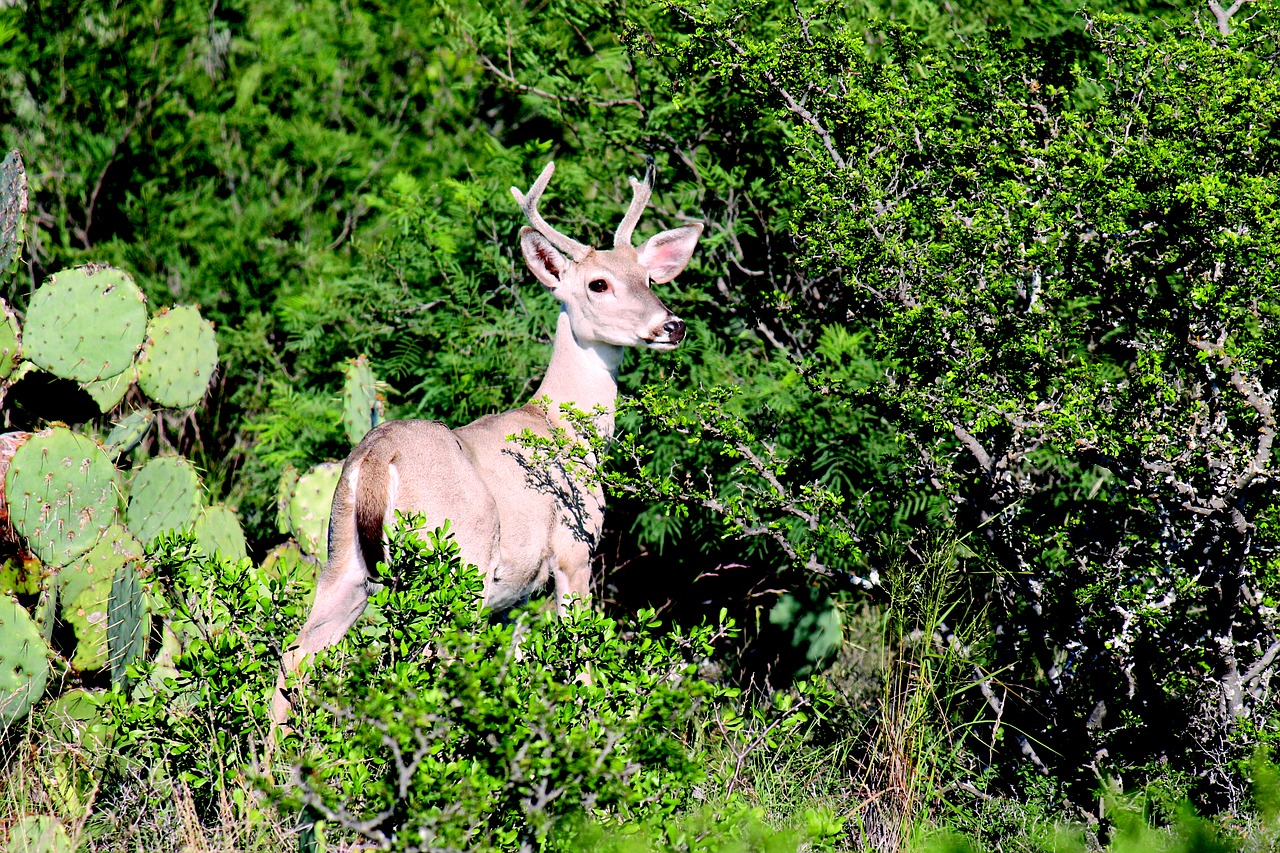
<point x="373" y="495"/>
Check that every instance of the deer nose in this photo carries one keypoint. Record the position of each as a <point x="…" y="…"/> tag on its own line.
<point x="674" y="329"/>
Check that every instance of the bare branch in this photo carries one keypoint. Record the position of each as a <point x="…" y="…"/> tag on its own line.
<point x="1223" y="16"/>
<point x="975" y="447"/>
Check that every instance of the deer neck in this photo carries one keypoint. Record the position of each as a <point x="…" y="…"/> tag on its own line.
<point x="582" y="375"/>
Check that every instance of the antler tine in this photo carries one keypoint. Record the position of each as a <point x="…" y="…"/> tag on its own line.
<point x="640" y="194"/>
<point x="529" y="204"/>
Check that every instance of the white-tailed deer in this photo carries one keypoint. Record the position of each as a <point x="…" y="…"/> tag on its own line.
<point x="520" y="525"/>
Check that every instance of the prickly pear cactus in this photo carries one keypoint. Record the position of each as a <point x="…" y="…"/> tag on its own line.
<point x="85" y="589"/>
<point x="284" y="494"/>
<point x="75" y="744"/>
<point x="24" y="662"/>
<point x="10" y="341"/>
<point x="86" y="613"/>
<point x="287" y="561"/>
<point x="179" y="358"/>
<point x="60" y="492"/>
<point x="310" y="505"/>
<point x="39" y="834"/>
<point x="13" y="213"/>
<point x="129" y="432"/>
<point x="218" y="532"/>
<point x="127" y="623"/>
<point x="361" y="408"/>
<point x="108" y="393"/>
<point x="20" y="576"/>
<point x="116" y="549"/>
<point x="85" y="324"/>
<point x="165" y="496"/>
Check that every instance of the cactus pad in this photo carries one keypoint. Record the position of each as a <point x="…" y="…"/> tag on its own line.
<point x="129" y="432"/>
<point x="310" y="505"/>
<point x="284" y="494"/>
<point x="10" y="341"/>
<point x="360" y="405"/>
<point x="108" y="393"/>
<point x="39" y="834"/>
<point x="116" y="549"/>
<point x="127" y="623"/>
<point x="85" y="324"/>
<point x="21" y="576"/>
<point x="24" y="661"/>
<point x="179" y="358"/>
<point x="13" y="212"/>
<point x="165" y="496"/>
<point x="288" y="562"/>
<point x="87" y="616"/>
<point x="60" y="492"/>
<point x="218" y="531"/>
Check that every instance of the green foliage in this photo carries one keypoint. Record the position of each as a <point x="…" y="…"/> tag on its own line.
<point x="992" y="274"/>
<point x="39" y="834"/>
<point x="438" y="727"/>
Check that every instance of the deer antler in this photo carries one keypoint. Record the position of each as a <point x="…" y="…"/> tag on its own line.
<point x="641" y="191"/>
<point x="529" y="204"/>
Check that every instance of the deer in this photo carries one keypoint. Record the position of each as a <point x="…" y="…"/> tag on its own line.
<point x="521" y="529"/>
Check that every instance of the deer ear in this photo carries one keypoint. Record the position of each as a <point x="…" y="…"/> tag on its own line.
<point x="665" y="255"/>
<point x="544" y="260"/>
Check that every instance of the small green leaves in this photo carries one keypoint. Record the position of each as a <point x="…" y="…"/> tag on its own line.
<point x="85" y="324"/>
<point x="61" y="493"/>
<point x="165" y="496"/>
<point x="179" y="358"/>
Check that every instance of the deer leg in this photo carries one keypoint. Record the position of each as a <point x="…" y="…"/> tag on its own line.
<point x="572" y="575"/>
<point x="341" y="595"/>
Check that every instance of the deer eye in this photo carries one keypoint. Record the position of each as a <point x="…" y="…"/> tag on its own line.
<point x="598" y="285"/>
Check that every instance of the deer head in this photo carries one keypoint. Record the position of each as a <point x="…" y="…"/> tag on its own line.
<point x="607" y="292"/>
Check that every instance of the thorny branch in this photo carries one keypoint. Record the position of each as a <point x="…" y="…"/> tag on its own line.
<point x="789" y="99"/>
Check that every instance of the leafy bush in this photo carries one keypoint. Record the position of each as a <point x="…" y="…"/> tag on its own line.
<point x="434" y="727"/>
